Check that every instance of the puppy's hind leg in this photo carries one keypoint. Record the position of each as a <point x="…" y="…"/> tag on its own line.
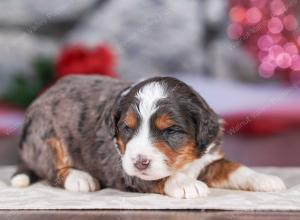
<point x="230" y="175"/>
<point x="23" y="176"/>
<point x="68" y="177"/>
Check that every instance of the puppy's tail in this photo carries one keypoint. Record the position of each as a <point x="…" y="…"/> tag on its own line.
<point x="23" y="177"/>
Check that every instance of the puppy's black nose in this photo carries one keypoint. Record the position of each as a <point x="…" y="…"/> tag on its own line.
<point x="142" y="163"/>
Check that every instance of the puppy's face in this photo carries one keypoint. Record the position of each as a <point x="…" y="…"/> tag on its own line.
<point x="161" y="126"/>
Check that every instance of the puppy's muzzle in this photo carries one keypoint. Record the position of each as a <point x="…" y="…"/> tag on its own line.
<point x="142" y="162"/>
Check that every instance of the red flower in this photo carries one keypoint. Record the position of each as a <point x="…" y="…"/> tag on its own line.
<point x="81" y="60"/>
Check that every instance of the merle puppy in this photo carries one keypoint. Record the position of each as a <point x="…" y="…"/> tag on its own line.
<point x="157" y="136"/>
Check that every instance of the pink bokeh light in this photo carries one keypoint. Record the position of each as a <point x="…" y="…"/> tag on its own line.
<point x="290" y="22"/>
<point x="274" y="36"/>
<point x="291" y="48"/>
<point x="265" y="42"/>
<point x="277" y="7"/>
<point x="295" y="63"/>
<point x="284" y="60"/>
<point x="253" y="15"/>
<point x="266" y="69"/>
<point x="237" y="14"/>
<point x="275" y="25"/>
<point x="275" y="51"/>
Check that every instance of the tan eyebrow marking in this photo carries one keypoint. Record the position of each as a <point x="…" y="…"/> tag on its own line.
<point x="131" y="119"/>
<point x="164" y="121"/>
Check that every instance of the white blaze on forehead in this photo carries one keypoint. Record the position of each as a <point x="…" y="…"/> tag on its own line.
<point x="141" y="143"/>
<point x="148" y="97"/>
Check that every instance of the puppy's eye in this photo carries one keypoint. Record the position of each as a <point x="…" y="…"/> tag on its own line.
<point x="170" y="131"/>
<point x="127" y="129"/>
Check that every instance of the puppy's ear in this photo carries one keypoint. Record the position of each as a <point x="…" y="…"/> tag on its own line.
<point x="113" y="118"/>
<point x="209" y="126"/>
<point x="114" y="113"/>
<point x="111" y="123"/>
<point x="209" y="129"/>
<point x="107" y="126"/>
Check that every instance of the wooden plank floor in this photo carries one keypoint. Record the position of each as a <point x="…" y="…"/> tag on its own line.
<point x="146" y="215"/>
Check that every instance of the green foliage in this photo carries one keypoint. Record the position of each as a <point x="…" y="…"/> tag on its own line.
<point x="23" y="90"/>
<point x="44" y="69"/>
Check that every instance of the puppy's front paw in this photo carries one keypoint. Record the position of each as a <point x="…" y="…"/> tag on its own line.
<point x="265" y="183"/>
<point x="80" y="181"/>
<point x="183" y="187"/>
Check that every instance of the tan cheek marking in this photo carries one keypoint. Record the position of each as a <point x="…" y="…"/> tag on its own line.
<point x="121" y="145"/>
<point x="164" y="121"/>
<point x="62" y="160"/>
<point x="217" y="173"/>
<point x="179" y="158"/>
<point x="131" y="119"/>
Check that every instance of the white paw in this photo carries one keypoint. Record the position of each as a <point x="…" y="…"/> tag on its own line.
<point x="181" y="186"/>
<point x="265" y="183"/>
<point x="20" y="180"/>
<point x="80" y="181"/>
